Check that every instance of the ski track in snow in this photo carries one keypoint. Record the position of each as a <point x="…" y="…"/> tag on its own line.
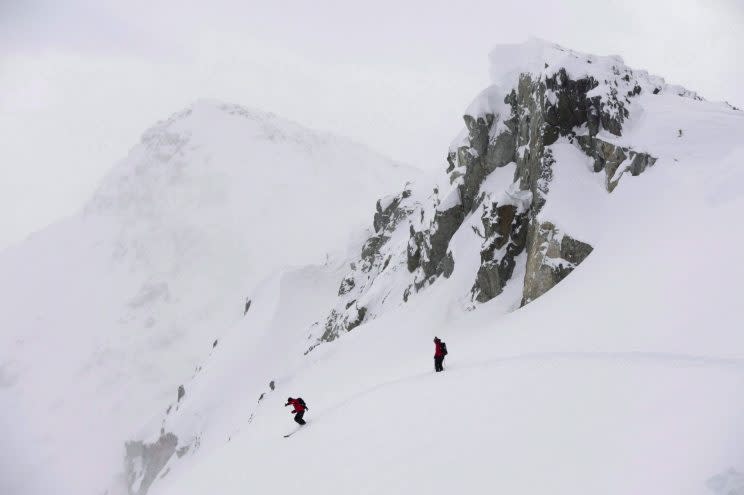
<point x="623" y="358"/>
<point x="637" y="357"/>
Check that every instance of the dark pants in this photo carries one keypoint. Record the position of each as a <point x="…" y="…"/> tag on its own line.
<point x="298" y="417"/>
<point x="438" y="363"/>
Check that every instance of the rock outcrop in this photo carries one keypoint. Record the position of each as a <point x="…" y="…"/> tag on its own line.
<point x="143" y="462"/>
<point x="375" y="260"/>
<point x="505" y="226"/>
<point x="568" y="99"/>
<point x="614" y="160"/>
<point x="552" y="255"/>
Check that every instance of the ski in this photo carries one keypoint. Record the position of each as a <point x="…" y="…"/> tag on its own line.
<point x="295" y="431"/>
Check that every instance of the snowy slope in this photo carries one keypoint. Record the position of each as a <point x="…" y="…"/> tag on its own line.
<point x="106" y="313"/>
<point x="625" y="377"/>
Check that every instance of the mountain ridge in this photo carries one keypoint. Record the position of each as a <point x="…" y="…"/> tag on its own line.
<point x="124" y="299"/>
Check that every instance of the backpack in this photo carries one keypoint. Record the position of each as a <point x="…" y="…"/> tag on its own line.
<point x="444" y="348"/>
<point x="302" y="402"/>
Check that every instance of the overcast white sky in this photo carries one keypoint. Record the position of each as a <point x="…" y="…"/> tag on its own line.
<point x="79" y="83"/>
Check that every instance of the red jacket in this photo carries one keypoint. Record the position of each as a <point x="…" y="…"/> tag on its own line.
<point x="296" y="404"/>
<point x="438" y="352"/>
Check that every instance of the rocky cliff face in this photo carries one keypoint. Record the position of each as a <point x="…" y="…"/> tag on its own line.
<point x="556" y="99"/>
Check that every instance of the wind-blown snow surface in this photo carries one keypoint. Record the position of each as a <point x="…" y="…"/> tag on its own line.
<point x="627" y="377"/>
<point x="106" y="313"/>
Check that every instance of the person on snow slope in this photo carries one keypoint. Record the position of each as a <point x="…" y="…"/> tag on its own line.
<point x="440" y="350"/>
<point x="299" y="409"/>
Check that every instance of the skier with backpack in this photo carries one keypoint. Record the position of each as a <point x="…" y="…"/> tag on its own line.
<point x="299" y="409"/>
<point x="440" y="350"/>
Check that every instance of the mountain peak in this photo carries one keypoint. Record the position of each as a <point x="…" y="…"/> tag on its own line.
<point x="204" y="115"/>
<point x="545" y="59"/>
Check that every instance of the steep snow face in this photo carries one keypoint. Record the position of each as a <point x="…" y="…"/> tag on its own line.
<point x="106" y="313"/>
<point x="622" y="378"/>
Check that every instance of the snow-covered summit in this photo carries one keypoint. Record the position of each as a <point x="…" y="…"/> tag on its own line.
<point x="544" y="59"/>
<point x="218" y="133"/>
<point x="122" y="301"/>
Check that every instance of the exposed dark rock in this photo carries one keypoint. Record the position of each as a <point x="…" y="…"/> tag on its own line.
<point x="214" y="344"/>
<point x="347" y="284"/>
<point x="389" y="213"/>
<point x="472" y="175"/>
<point x="541" y="110"/>
<point x="572" y="106"/>
<point x="414" y="249"/>
<point x="551" y="257"/>
<point x="427" y="249"/>
<point x="479" y="156"/>
<point x="534" y="171"/>
<point x="387" y="262"/>
<point x="346" y="321"/>
<point x="386" y="219"/>
<point x="478" y="129"/>
<point x="271" y="385"/>
<point x="574" y="251"/>
<point x="181" y="392"/>
<point x="383" y="216"/>
<point x="446" y="222"/>
<point x="143" y="462"/>
<point x="505" y="233"/>
<point x="371" y="248"/>
<point x="361" y="312"/>
<point x="501" y="150"/>
<point x="447" y="265"/>
<point x="611" y="158"/>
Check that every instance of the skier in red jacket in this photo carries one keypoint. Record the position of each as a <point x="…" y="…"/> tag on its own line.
<point x="299" y="409"/>
<point x="440" y="350"/>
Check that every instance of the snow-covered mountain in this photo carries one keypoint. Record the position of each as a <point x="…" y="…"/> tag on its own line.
<point x="624" y="377"/>
<point x="577" y="253"/>
<point x="105" y="314"/>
